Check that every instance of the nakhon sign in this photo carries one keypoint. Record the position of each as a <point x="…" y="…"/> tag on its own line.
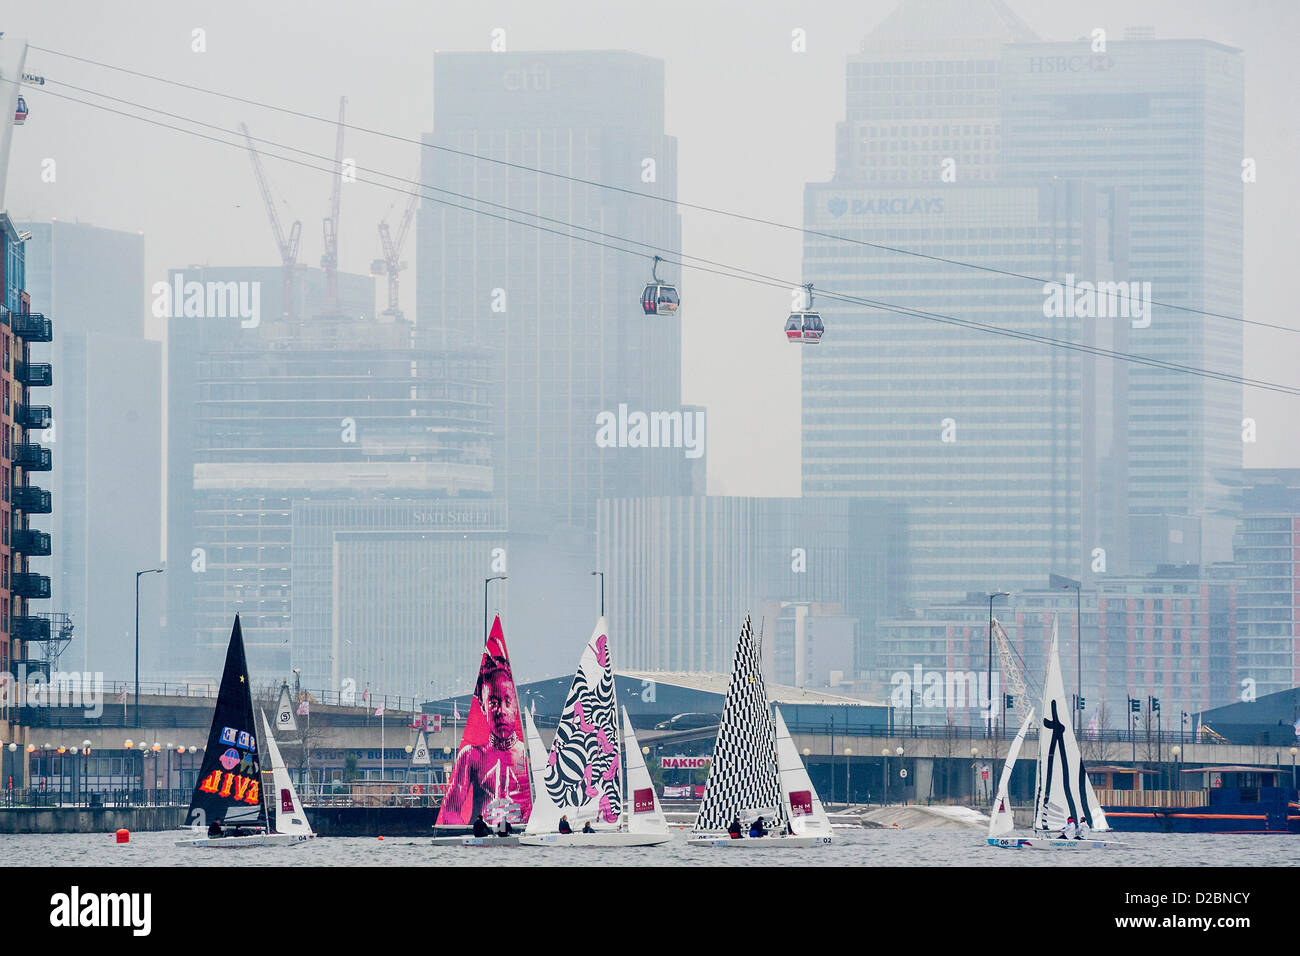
<point x="684" y="763"/>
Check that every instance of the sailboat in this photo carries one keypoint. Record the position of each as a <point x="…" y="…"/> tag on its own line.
<point x="581" y="776"/>
<point x="490" y="775"/>
<point x="1063" y="790"/>
<point x="756" y="769"/>
<point x="290" y="817"/>
<point x="228" y="794"/>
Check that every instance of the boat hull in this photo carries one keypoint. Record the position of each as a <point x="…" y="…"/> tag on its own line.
<point x="471" y="840"/>
<point x="725" y="842"/>
<point x="1222" y="818"/>
<point x="241" y="842"/>
<point x="1048" y="843"/>
<point x="597" y="839"/>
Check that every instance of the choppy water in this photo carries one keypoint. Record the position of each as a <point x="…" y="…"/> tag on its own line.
<point x="851" y="848"/>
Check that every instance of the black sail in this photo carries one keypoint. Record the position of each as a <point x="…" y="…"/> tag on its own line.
<point x="229" y="787"/>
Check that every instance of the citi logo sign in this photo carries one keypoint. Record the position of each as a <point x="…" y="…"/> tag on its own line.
<point x="654" y="430"/>
<point x="76" y="909"/>
<point x="208" y="300"/>
<point x="1098" y="300"/>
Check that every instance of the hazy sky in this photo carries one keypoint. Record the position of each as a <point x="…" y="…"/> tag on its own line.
<point x="730" y="72"/>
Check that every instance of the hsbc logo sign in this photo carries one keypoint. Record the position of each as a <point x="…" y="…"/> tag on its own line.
<point x="1080" y="63"/>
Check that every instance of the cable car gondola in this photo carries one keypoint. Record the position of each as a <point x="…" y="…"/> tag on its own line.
<point x="804" y="325"/>
<point x="659" y="298"/>
<point x="20" y="114"/>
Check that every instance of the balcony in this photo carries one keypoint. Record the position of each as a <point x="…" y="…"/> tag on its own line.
<point x="36" y="375"/>
<point x="31" y="543"/>
<point x="34" y="416"/>
<point x="30" y="585"/>
<point x="33" y="327"/>
<point x="32" y="500"/>
<point x="30" y="628"/>
<point x="31" y="457"/>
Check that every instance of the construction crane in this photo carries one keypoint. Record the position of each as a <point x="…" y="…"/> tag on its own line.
<point x="288" y="247"/>
<point x="1010" y="672"/>
<point x="329" y="259"/>
<point x="391" y="263"/>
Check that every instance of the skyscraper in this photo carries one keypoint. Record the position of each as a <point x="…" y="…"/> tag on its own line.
<point x="107" y="475"/>
<point x="562" y="314"/>
<point x="1164" y="119"/>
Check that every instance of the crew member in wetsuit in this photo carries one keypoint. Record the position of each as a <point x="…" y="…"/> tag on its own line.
<point x="480" y="826"/>
<point x="757" y="829"/>
<point x="734" y="829"/>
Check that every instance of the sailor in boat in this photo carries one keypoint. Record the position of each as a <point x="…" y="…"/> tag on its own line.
<point x="564" y="825"/>
<point x="214" y="830"/>
<point x="504" y="829"/>
<point x="758" y="828"/>
<point x="587" y="828"/>
<point x="1071" y="831"/>
<point x="480" y="826"/>
<point x="734" y="829"/>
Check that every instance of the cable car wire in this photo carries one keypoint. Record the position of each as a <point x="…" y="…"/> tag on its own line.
<point x="709" y="266"/>
<point x="699" y="207"/>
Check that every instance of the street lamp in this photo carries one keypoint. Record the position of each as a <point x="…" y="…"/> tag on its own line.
<point x="1293" y="752"/>
<point x="884" y="752"/>
<point x="848" y="775"/>
<point x="486" y="582"/>
<point x="974" y="755"/>
<point x="993" y="595"/>
<point x="137" y="638"/>
<point x="1176" y="752"/>
<point x="602" y="591"/>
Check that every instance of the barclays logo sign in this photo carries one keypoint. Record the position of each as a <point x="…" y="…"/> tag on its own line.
<point x="898" y="206"/>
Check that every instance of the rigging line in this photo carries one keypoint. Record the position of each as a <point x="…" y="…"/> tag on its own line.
<point x="699" y="207"/>
<point x="725" y="270"/>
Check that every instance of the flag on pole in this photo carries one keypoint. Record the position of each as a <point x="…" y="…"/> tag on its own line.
<point x="122" y="699"/>
<point x="304" y="708"/>
<point x="1092" y="723"/>
<point x="365" y="695"/>
<point x="379" y="711"/>
<point x="455" y="711"/>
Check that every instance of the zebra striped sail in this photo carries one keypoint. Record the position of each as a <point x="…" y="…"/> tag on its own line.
<point x="743" y="777"/>
<point x="1064" y="790"/>
<point x="583" y="776"/>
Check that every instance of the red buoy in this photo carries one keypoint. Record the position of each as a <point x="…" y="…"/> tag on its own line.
<point x="123" y="836"/>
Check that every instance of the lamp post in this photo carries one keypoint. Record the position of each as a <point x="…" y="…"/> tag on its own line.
<point x="848" y="775"/>
<point x="486" y="582"/>
<point x="884" y="752"/>
<point x="1293" y="752"/>
<point x="993" y="595"/>
<point x="1177" y="752"/>
<point x="974" y="756"/>
<point x="602" y="590"/>
<point x="137" y="638"/>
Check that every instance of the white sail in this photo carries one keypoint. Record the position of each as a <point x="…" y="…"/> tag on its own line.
<point x="799" y="798"/>
<point x="642" y="809"/>
<point x="545" y="816"/>
<point x="1000" y="821"/>
<point x="743" y="774"/>
<point x="284" y="712"/>
<point x="1063" y="787"/>
<point x="290" y="818"/>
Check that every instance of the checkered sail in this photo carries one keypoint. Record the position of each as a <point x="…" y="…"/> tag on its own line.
<point x="743" y="777"/>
